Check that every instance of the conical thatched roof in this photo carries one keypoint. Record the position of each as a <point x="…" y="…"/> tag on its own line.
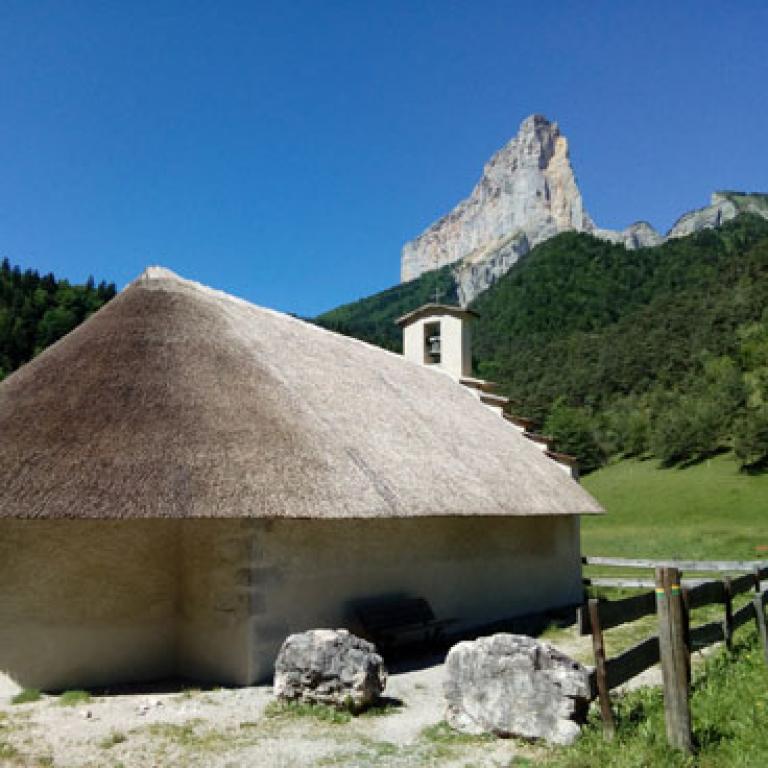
<point x="177" y="401"/>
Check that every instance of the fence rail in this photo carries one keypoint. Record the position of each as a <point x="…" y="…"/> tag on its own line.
<point x="632" y="662"/>
<point x="712" y="566"/>
<point x="672" y="601"/>
<point x="702" y="590"/>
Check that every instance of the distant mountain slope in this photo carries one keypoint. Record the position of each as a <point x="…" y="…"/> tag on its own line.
<point x="662" y="349"/>
<point x="37" y="310"/>
<point x="373" y="318"/>
<point x="527" y="193"/>
<point x="589" y="320"/>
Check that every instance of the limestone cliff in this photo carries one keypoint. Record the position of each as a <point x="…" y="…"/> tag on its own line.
<point x="638" y="235"/>
<point x="527" y="193"/>
<point x="723" y="207"/>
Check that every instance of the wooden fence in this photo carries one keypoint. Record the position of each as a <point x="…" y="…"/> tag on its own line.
<point x="672" y="600"/>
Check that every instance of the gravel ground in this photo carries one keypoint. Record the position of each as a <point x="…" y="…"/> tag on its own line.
<point x="228" y="728"/>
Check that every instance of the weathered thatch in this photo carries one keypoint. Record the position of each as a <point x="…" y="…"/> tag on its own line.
<point x="177" y="401"/>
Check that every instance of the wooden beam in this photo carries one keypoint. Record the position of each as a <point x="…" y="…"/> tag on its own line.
<point x="631" y="583"/>
<point x="632" y="662"/>
<point x="743" y="616"/>
<point x="616" y="612"/>
<point x="717" y="566"/>
<point x="706" y="593"/>
<point x="745" y="583"/>
<point x="706" y="634"/>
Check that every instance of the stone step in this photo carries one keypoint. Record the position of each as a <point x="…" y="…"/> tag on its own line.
<point x="562" y="458"/>
<point x="542" y="440"/>
<point x="479" y="384"/>
<point x="496" y="401"/>
<point x="519" y="421"/>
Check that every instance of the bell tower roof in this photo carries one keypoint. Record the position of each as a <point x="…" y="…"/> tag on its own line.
<point x="425" y="310"/>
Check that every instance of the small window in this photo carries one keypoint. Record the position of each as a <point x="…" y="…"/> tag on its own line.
<point x="432" y="343"/>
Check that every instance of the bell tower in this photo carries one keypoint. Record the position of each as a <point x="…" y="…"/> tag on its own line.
<point x="439" y="335"/>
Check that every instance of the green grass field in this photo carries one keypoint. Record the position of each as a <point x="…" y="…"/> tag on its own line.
<point x="708" y="511"/>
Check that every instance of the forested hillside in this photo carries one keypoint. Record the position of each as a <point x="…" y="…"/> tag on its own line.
<point x="37" y="310"/>
<point x="661" y="350"/>
<point x="373" y="318"/>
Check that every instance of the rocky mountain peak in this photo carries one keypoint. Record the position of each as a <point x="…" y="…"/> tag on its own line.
<point x="527" y="192"/>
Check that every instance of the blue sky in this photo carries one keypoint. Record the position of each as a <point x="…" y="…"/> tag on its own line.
<point x="285" y="151"/>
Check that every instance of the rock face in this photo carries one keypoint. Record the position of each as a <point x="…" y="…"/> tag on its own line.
<point x="513" y="685"/>
<point x="723" y="207"/>
<point x="527" y="188"/>
<point x="484" y="266"/>
<point x="327" y="666"/>
<point x="527" y="194"/>
<point x="638" y="235"/>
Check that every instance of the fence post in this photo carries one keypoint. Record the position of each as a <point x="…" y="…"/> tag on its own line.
<point x="728" y="625"/>
<point x="686" y="630"/>
<point x="757" y="601"/>
<point x="609" y="726"/>
<point x="674" y="667"/>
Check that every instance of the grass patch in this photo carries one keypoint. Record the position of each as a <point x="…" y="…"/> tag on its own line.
<point x="322" y="712"/>
<point x="7" y="751"/>
<point x="368" y="755"/>
<point x="442" y="733"/>
<point x="193" y="735"/>
<point x="114" y="738"/>
<point x="704" y="512"/>
<point x="326" y="713"/>
<point x="74" y="698"/>
<point x="730" y="723"/>
<point x="27" y="696"/>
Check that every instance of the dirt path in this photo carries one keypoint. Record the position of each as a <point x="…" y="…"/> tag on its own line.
<point x="228" y="728"/>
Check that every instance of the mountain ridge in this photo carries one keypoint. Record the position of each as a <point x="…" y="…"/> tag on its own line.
<point x="663" y="349"/>
<point x="526" y="194"/>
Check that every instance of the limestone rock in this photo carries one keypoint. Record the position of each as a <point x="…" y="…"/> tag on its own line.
<point x="485" y="266"/>
<point x="723" y="207"/>
<point x="328" y="666"/>
<point x="703" y="218"/>
<point x="527" y="187"/>
<point x="638" y="235"/>
<point x="527" y="194"/>
<point x="513" y="685"/>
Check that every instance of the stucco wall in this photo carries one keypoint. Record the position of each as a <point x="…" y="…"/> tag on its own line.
<point x="306" y="574"/>
<point x="86" y="603"/>
<point x="213" y="606"/>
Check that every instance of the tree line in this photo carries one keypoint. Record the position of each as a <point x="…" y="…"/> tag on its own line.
<point x="37" y="310"/>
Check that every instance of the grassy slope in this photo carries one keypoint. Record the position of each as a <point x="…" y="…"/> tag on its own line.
<point x="706" y="511"/>
<point x="728" y="706"/>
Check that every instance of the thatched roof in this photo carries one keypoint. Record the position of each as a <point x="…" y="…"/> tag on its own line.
<point x="178" y="401"/>
<point x="436" y="309"/>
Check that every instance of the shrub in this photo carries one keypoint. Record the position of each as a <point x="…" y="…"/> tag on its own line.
<point x="26" y="696"/>
<point x="73" y="698"/>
